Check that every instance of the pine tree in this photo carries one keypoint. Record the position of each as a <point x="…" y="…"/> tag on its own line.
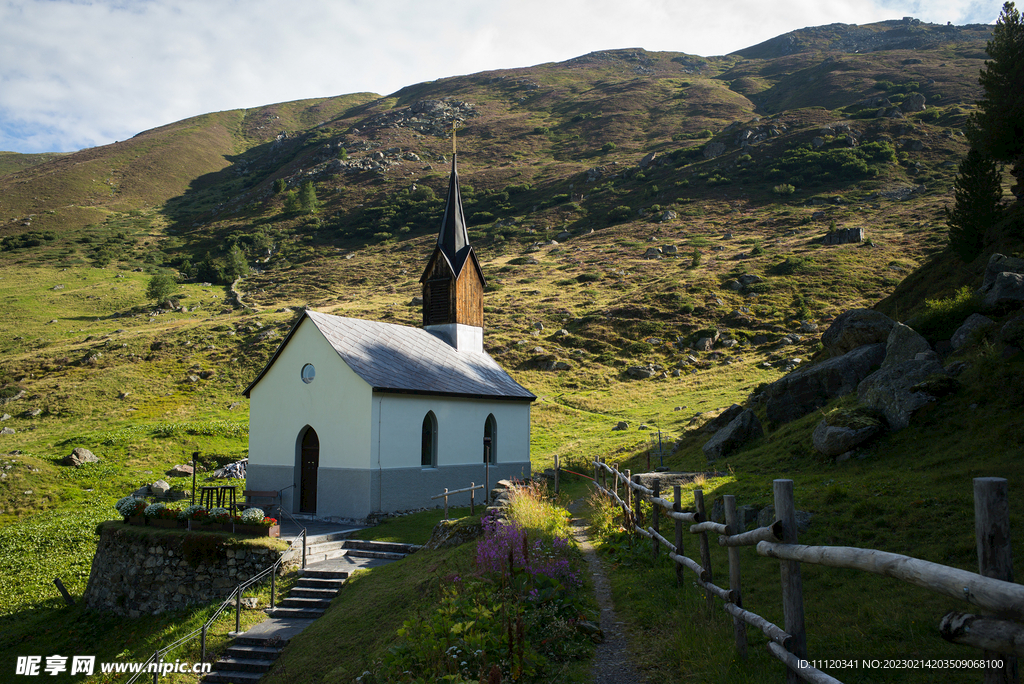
<point x="307" y="198"/>
<point x="996" y="130"/>
<point x="978" y="190"/>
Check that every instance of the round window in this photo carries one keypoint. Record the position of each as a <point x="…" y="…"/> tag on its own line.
<point x="308" y="373"/>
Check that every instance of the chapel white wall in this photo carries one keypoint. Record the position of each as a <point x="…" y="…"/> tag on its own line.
<point x="337" y="404"/>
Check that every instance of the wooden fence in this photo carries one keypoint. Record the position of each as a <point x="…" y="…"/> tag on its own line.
<point x="992" y="590"/>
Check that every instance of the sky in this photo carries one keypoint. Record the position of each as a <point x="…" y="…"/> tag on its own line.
<point x="82" y="73"/>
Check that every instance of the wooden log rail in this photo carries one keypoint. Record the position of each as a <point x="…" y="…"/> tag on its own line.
<point x="1006" y="598"/>
<point x="992" y="589"/>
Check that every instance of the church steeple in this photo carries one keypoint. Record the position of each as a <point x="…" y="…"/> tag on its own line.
<point x="453" y="283"/>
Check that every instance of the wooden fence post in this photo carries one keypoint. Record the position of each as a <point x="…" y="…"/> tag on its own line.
<point x="655" y="521"/>
<point x="615" y="481"/>
<point x="792" y="584"/>
<point x="738" y="625"/>
<point x="629" y="501"/>
<point x="597" y="468"/>
<point x="556" y="473"/>
<point x="604" y="473"/>
<point x="636" y="501"/>
<point x="677" y="506"/>
<point x="992" y="531"/>
<point x="705" y="551"/>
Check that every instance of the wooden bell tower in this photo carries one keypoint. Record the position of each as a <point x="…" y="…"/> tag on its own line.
<point x="453" y="282"/>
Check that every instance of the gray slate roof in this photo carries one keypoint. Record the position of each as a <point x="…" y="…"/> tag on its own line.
<point x="398" y="358"/>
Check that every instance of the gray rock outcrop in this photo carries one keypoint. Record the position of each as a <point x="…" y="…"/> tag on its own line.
<point x="811" y="387"/>
<point x="742" y="429"/>
<point x="843" y="236"/>
<point x="854" y="328"/>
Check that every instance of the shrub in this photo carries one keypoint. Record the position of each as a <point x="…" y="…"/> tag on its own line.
<point x="942" y="317"/>
<point x="620" y="213"/>
<point x="785" y="189"/>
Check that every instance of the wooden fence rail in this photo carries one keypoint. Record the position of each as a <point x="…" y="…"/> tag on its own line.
<point x="992" y="589"/>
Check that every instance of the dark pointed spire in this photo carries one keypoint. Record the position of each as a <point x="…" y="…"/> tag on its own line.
<point x="453" y="238"/>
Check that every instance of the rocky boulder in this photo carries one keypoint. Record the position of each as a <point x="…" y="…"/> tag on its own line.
<point x="897" y="388"/>
<point x="905" y="344"/>
<point x="78" y="457"/>
<point x="159" y="488"/>
<point x="721" y="420"/>
<point x="811" y="387"/>
<point x="843" y="236"/>
<point x="855" y="328"/>
<point x="974" y="323"/>
<point x="842" y="431"/>
<point x="180" y="470"/>
<point x="742" y="429"/>
<point x="1003" y="283"/>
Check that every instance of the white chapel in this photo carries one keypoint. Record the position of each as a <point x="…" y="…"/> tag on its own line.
<point x="351" y="417"/>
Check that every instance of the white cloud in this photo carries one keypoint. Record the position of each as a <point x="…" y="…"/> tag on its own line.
<point x="75" y="73"/>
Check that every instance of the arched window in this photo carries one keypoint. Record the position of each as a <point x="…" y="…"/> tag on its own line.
<point x="428" y="448"/>
<point x="490" y="440"/>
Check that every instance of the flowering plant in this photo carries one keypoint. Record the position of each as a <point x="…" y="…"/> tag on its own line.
<point x="153" y="510"/>
<point x="192" y="512"/>
<point x="166" y="513"/>
<point x="256" y="516"/>
<point x="129" y="506"/>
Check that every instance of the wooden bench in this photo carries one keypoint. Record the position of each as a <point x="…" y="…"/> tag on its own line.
<point x="252" y="494"/>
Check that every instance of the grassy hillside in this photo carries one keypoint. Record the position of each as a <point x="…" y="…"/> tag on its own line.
<point x="733" y="165"/>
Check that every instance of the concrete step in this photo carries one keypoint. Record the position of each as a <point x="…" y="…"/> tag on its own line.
<point x="233" y="677"/>
<point x="249" y="652"/>
<point x="255" y="665"/>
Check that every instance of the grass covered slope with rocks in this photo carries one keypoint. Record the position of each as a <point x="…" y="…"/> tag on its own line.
<point x="660" y="233"/>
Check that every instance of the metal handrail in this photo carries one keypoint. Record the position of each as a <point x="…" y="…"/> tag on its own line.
<point x="236" y="597"/>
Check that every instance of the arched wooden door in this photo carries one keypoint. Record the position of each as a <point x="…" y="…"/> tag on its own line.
<point x="309" y="463"/>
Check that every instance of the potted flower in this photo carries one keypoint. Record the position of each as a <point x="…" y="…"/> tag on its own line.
<point x="193" y="516"/>
<point x="219" y="519"/>
<point x="158" y="515"/>
<point x="131" y="509"/>
<point x="256" y="522"/>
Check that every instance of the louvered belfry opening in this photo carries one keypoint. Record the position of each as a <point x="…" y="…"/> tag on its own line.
<point x="453" y="283"/>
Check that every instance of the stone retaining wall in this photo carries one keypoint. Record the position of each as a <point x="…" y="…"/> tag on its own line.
<point x="136" y="573"/>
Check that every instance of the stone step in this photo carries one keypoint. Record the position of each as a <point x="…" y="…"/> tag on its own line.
<point x="305" y="603"/>
<point x="330" y="583"/>
<point x="250" y="652"/>
<point x="313" y="592"/>
<point x="332" y="575"/>
<point x="392" y="547"/>
<point x="259" y="641"/>
<point x="233" y="677"/>
<point x="324" y="547"/>
<point x="231" y="664"/>
<point x="370" y="553"/>
<point x="296" y="613"/>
